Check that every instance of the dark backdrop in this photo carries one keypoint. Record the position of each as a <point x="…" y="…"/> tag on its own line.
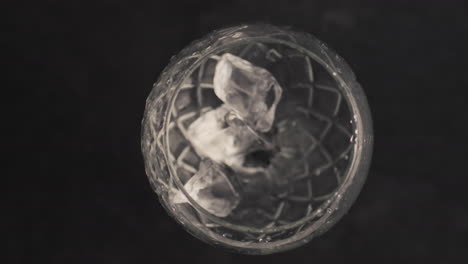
<point x="81" y="71"/>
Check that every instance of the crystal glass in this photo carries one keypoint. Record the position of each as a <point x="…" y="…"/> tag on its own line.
<point x="257" y="138"/>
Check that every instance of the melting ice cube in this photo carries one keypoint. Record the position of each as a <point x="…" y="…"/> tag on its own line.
<point x="211" y="189"/>
<point x="251" y="91"/>
<point x="215" y="137"/>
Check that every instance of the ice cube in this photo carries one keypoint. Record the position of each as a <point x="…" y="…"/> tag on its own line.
<point x="211" y="188"/>
<point x="212" y="137"/>
<point x="251" y="91"/>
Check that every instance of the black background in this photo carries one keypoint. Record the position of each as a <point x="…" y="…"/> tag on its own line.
<point x="81" y="71"/>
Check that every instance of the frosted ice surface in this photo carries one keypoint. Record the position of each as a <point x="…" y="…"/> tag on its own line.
<point x="251" y="91"/>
